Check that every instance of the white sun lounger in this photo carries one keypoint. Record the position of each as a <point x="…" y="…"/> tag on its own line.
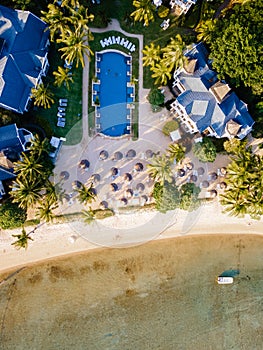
<point x="117" y="39"/>
<point x="102" y="43"/>
<point x="61" y="119"/>
<point x="63" y="100"/>
<point x="61" y="124"/>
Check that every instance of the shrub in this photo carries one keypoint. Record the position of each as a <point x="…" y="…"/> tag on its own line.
<point x="103" y="213"/>
<point x="156" y="99"/>
<point x="11" y="216"/>
<point x="205" y="151"/>
<point x="170" y="126"/>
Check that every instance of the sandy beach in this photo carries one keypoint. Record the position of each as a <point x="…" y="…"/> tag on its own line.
<point x="54" y="240"/>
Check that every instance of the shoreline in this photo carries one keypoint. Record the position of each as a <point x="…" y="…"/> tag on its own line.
<point x="53" y="241"/>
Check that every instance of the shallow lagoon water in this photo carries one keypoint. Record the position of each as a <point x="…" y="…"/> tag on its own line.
<point x="161" y="295"/>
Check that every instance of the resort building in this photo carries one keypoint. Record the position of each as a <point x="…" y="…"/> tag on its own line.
<point x="181" y="6"/>
<point x="13" y="141"/>
<point x="205" y="104"/>
<point x="23" y="57"/>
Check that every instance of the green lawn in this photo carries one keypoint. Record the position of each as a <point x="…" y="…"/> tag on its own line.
<point x="47" y="118"/>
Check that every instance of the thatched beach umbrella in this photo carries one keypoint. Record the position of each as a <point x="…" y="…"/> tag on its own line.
<point x="129" y="192"/>
<point x="200" y="171"/>
<point x="213" y="193"/>
<point x="84" y="164"/>
<point x="138" y="167"/>
<point x="181" y="172"/>
<point x="213" y="176"/>
<point x="223" y="171"/>
<point x="114" y="187"/>
<point x="140" y="187"/>
<point x="190" y="166"/>
<point x="64" y="175"/>
<point x="193" y="178"/>
<point x="114" y="171"/>
<point x="223" y="185"/>
<point x="149" y="153"/>
<point x="127" y="177"/>
<point x="117" y="156"/>
<point x="124" y="201"/>
<point x="144" y="199"/>
<point x="95" y="178"/>
<point x="103" y="155"/>
<point x="204" y="184"/>
<point x="76" y="185"/>
<point x="131" y="153"/>
<point x="103" y="205"/>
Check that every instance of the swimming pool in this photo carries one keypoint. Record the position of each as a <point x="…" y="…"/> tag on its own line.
<point x="112" y="92"/>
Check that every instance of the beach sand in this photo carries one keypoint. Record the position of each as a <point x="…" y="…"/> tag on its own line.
<point x="160" y="295"/>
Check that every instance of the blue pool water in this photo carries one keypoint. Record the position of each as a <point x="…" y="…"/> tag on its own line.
<point x="113" y="93"/>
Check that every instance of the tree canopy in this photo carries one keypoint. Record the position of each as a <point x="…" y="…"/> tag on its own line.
<point x="205" y="151"/>
<point x="11" y="215"/>
<point x="236" y="46"/>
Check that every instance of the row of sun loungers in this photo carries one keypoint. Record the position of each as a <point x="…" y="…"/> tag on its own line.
<point x="63" y="102"/>
<point x="111" y="40"/>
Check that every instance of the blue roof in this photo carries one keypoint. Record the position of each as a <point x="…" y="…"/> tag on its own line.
<point x="6" y="174"/>
<point x="11" y="137"/>
<point x="21" y="59"/>
<point x="201" y="104"/>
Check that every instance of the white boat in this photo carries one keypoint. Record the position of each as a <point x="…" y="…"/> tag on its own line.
<point x="224" y="280"/>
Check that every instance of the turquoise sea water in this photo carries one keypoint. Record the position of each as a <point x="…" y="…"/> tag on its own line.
<point x="161" y="295"/>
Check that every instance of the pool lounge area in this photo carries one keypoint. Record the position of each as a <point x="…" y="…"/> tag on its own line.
<point x="113" y="93"/>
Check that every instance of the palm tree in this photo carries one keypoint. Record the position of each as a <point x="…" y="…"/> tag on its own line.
<point x="75" y="46"/>
<point x="63" y="76"/>
<point x="86" y="194"/>
<point x="173" y="55"/>
<point x="176" y="152"/>
<point x="28" y="168"/>
<point x="21" y="4"/>
<point x="22" y="239"/>
<point x="145" y="11"/>
<point x="45" y="210"/>
<point x="54" y="193"/>
<point x="39" y="147"/>
<point x="88" y="216"/>
<point x="161" y="73"/>
<point x="151" y="54"/>
<point x="205" y="30"/>
<point x="43" y="96"/>
<point x="234" y="203"/>
<point x="57" y="21"/>
<point x="81" y="17"/>
<point x="160" y="169"/>
<point x="25" y="193"/>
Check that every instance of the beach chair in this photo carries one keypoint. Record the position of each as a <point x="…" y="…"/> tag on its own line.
<point x="102" y="43"/>
<point x="63" y="100"/>
<point x="113" y="39"/>
<point x="132" y="49"/>
<point x="128" y="116"/>
<point x="109" y="40"/>
<point x="129" y="46"/>
<point x="61" y="119"/>
<point x="122" y="41"/>
<point x="61" y="114"/>
<point x="117" y="39"/>
<point x="61" y="109"/>
<point x="61" y="124"/>
<point x="125" y="43"/>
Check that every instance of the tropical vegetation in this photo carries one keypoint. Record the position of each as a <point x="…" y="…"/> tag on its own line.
<point x="244" y="193"/>
<point x="205" y="150"/>
<point x="144" y="11"/>
<point x="11" y="215"/>
<point x="22" y="239"/>
<point x="156" y="99"/>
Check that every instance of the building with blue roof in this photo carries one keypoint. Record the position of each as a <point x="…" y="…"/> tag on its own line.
<point x="24" y="41"/>
<point x="206" y="105"/>
<point x="13" y="141"/>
